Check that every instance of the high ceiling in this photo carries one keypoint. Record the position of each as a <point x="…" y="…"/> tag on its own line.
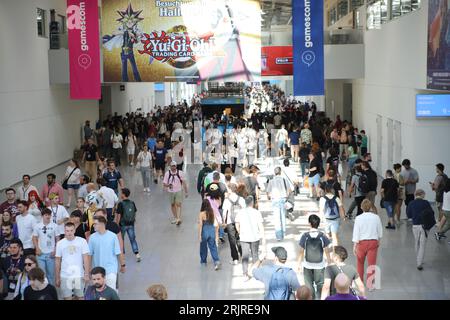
<point x="276" y="12"/>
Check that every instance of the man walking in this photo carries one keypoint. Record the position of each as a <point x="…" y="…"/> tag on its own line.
<point x="278" y="191"/>
<point x="311" y="262"/>
<point x="411" y="177"/>
<point x="25" y="225"/>
<point x="421" y="212"/>
<point x="90" y="158"/>
<point x="174" y="183"/>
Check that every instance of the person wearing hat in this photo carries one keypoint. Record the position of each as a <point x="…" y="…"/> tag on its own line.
<point x="280" y="281"/>
<point x="174" y="183"/>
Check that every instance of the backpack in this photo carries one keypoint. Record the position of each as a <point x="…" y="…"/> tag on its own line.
<point x="428" y="220"/>
<point x="440" y="188"/>
<point x="331" y="210"/>
<point x="314" y="249"/>
<point x="235" y="207"/>
<point x="279" y="287"/>
<point x="129" y="213"/>
<point x="173" y="176"/>
<point x="363" y="183"/>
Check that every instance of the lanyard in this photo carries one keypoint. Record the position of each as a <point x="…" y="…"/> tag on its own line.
<point x="54" y="213"/>
<point x="25" y="190"/>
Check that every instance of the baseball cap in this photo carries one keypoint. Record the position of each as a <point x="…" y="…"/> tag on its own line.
<point x="280" y="253"/>
<point x="173" y="163"/>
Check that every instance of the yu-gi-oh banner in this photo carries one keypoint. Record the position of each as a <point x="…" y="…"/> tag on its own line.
<point x="184" y="40"/>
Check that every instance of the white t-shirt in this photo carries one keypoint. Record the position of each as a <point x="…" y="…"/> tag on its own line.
<point x="322" y="202"/>
<point x="25" y="227"/>
<point x="130" y="142"/>
<point x="117" y="140"/>
<point x="249" y="219"/>
<point x="145" y="158"/>
<point x="24" y="191"/>
<point x="59" y="213"/>
<point x="290" y="175"/>
<point x="46" y="236"/>
<point x="109" y="196"/>
<point x="446" y="201"/>
<point x="176" y="153"/>
<point x="367" y="227"/>
<point x="35" y="212"/>
<point x="71" y="254"/>
<point x="75" y="177"/>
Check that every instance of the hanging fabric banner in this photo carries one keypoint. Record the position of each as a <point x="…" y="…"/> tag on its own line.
<point x="84" y="49"/>
<point x="307" y="28"/>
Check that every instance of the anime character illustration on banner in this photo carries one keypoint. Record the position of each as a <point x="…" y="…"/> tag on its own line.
<point x="127" y="36"/>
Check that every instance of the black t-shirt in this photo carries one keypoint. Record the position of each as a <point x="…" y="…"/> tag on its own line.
<point x="390" y="187"/>
<point x="81" y="230"/>
<point x="314" y="163"/>
<point x="336" y="186"/>
<point x="111" y="226"/>
<point x="48" y="293"/>
<point x="373" y="179"/>
<point x="90" y="152"/>
<point x="12" y="268"/>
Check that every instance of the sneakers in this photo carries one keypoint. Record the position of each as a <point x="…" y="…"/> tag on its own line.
<point x="420" y="268"/>
<point x="132" y="164"/>
<point x="234" y="262"/>
<point x="173" y="221"/>
<point x="217" y="266"/>
<point x="438" y="236"/>
<point x="138" y="258"/>
<point x="222" y="240"/>
<point x="178" y="222"/>
<point x="349" y="216"/>
<point x="390" y="226"/>
<point x="246" y="277"/>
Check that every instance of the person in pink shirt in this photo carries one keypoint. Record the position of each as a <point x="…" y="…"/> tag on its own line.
<point x="52" y="187"/>
<point x="174" y="183"/>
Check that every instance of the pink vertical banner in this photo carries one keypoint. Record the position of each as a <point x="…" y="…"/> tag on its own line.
<point x="84" y="49"/>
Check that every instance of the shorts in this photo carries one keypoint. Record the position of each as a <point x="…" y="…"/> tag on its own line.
<point x="281" y="144"/>
<point x="314" y="181"/>
<point x="332" y="226"/>
<point x="176" y="197"/>
<point x="131" y="151"/>
<point x="295" y="147"/>
<point x="160" y="166"/>
<point x="389" y="206"/>
<point x="73" y="186"/>
<point x="73" y="286"/>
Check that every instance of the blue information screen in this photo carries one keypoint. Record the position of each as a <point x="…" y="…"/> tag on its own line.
<point x="432" y="105"/>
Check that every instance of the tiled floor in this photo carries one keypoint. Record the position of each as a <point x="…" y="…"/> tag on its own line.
<point x="170" y="254"/>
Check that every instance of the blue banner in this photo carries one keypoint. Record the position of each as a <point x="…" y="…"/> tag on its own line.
<point x="307" y="25"/>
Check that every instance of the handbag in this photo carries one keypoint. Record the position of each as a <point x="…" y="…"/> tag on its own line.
<point x="382" y="203"/>
<point x="65" y="182"/>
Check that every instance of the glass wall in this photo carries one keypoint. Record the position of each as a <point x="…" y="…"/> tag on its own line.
<point x="342" y="8"/>
<point x="355" y="4"/>
<point x="402" y="7"/>
<point x="377" y="14"/>
<point x="332" y="16"/>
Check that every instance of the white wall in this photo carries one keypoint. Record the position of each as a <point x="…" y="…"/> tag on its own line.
<point x="395" y="71"/>
<point x="39" y="125"/>
<point x="136" y="95"/>
<point x="344" y="61"/>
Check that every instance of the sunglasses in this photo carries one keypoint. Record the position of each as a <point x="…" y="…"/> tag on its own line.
<point x="28" y="264"/>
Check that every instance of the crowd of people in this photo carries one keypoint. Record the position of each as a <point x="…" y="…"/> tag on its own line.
<point x="48" y="243"/>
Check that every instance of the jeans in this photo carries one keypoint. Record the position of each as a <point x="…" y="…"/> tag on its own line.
<point x="208" y="240"/>
<point x="389" y="206"/>
<point x="248" y="247"/>
<point x="420" y="241"/>
<point x="47" y="264"/>
<point x="279" y="217"/>
<point x="235" y="245"/>
<point x="304" y="166"/>
<point x="132" y="236"/>
<point x="262" y="150"/>
<point x="314" y="276"/>
<point x="125" y="57"/>
<point x="145" y="171"/>
<point x="352" y="207"/>
<point x="109" y="214"/>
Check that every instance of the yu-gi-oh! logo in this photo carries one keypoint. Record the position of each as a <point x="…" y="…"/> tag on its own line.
<point x="176" y="47"/>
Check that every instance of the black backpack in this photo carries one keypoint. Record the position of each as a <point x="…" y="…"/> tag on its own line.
<point x="363" y="183"/>
<point x="314" y="248"/>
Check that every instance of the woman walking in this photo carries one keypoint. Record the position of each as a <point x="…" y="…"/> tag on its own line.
<point x="144" y="160"/>
<point x="208" y="234"/>
<point x="72" y="179"/>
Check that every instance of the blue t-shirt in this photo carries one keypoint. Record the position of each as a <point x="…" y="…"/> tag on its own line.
<point x="151" y="143"/>
<point x="104" y="249"/>
<point x="112" y="179"/>
<point x="160" y="154"/>
<point x="264" y="274"/>
<point x="294" y="137"/>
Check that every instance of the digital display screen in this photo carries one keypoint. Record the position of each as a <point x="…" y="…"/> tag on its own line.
<point x="159" y="86"/>
<point x="432" y="105"/>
